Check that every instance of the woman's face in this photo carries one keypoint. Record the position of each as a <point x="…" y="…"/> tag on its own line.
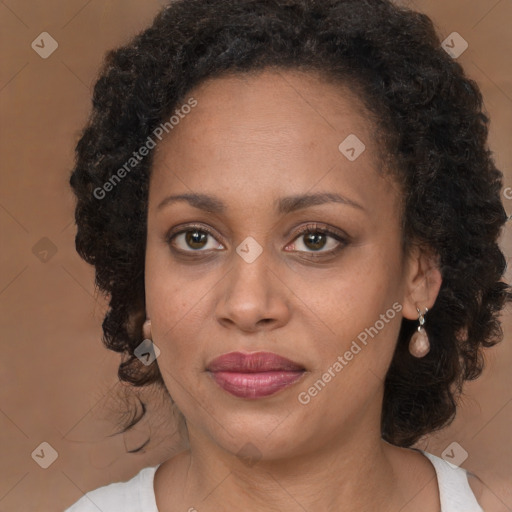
<point x="229" y="270"/>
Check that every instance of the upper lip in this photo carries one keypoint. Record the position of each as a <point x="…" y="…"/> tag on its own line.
<point x="252" y="363"/>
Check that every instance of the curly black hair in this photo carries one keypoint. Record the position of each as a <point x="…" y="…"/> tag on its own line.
<point x="429" y="120"/>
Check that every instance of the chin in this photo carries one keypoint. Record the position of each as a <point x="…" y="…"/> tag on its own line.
<point x="258" y="435"/>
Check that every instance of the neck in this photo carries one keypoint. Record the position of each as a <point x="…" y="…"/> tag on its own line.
<point x="326" y="479"/>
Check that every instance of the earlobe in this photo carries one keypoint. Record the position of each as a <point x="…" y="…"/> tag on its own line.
<point x="423" y="282"/>
<point x="146" y="330"/>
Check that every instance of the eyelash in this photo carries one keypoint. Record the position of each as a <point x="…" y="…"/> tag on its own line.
<point x="305" y="230"/>
<point x="317" y="229"/>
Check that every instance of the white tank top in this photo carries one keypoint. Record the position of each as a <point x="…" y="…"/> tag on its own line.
<point x="455" y="493"/>
<point x="138" y="495"/>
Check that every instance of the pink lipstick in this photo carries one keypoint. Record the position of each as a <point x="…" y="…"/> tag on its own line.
<point x="255" y="375"/>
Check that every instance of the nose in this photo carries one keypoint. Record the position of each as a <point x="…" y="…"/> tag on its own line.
<point x="252" y="297"/>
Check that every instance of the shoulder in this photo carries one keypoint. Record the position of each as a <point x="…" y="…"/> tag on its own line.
<point x="130" y="496"/>
<point x="455" y="490"/>
<point x="477" y="486"/>
<point x="491" y="494"/>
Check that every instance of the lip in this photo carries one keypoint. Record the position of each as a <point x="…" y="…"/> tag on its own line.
<point x="255" y="375"/>
<point x="254" y="362"/>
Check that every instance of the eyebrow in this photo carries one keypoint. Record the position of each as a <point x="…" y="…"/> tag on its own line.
<point x="284" y="205"/>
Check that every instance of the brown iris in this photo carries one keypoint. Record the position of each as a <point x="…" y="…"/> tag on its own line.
<point x="196" y="239"/>
<point x="314" y="240"/>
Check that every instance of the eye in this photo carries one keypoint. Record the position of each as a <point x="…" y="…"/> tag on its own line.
<point x="315" y="239"/>
<point x="194" y="239"/>
<point x="311" y="239"/>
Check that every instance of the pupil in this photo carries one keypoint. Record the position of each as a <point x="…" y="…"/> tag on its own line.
<point x="196" y="239"/>
<point x="317" y="240"/>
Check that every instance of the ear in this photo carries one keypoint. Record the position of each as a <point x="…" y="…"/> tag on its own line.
<point x="422" y="281"/>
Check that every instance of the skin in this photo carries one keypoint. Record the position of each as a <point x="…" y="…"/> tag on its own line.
<point x="250" y="141"/>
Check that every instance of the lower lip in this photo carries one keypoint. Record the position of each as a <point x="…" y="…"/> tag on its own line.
<point x="255" y="385"/>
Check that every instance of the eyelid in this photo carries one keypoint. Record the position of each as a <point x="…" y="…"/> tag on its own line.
<point x="183" y="228"/>
<point x="315" y="227"/>
<point x="340" y="236"/>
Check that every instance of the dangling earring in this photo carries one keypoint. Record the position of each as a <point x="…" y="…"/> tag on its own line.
<point x="419" y="345"/>
<point x="146" y="330"/>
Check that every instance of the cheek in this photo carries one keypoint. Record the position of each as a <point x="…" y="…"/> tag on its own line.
<point x="359" y="309"/>
<point x="170" y="292"/>
<point x="176" y="312"/>
<point x="353" y="295"/>
<point x="179" y="305"/>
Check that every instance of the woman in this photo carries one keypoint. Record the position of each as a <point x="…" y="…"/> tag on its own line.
<point x="293" y="209"/>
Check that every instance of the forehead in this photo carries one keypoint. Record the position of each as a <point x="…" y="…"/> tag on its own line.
<point x="279" y="129"/>
<point x="292" y="101"/>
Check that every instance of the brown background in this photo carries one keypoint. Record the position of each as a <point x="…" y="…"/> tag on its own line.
<point x="57" y="381"/>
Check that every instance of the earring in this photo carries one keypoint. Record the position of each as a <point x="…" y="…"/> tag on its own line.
<point x="146" y="330"/>
<point x="419" y="345"/>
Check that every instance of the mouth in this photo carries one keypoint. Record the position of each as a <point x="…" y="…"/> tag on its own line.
<point x="255" y="375"/>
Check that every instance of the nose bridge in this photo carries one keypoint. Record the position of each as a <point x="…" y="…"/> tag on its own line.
<point x="251" y="295"/>
<point x="249" y="281"/>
